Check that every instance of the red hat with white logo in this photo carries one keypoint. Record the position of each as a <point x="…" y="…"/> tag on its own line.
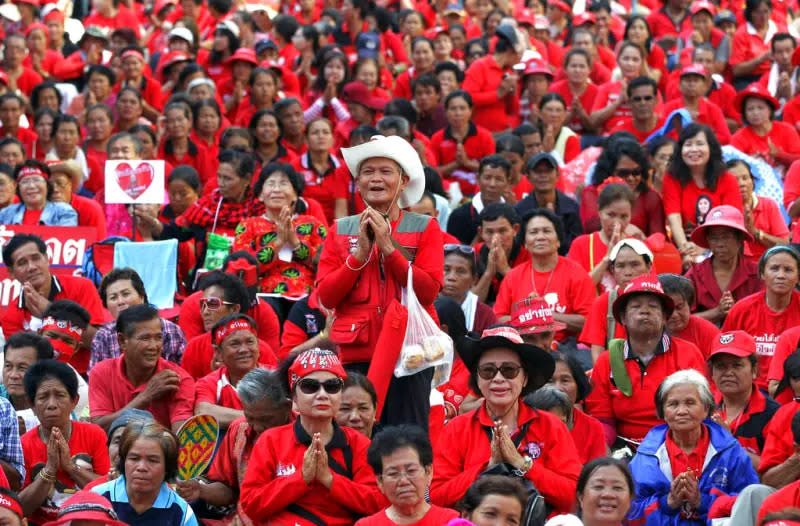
<point x="722" y="215"/>
<point x="532" y="67"/>
<point x="541" y="22"/>
<point x="534" y="315"/>
<point x="737" y="343"/>
<point x="644" y="284"/>
<point x="694" y="69"/>
<point x="703" y="5"/>
<point x="758" y="91"/>
<point x="537" y="363"/>
<point x="86" y="506"/>
<point x="584" y="18"/>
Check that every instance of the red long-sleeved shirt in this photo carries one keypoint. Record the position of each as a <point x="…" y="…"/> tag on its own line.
<point x="481" y="81"/>
<point x="278" y="482"/>
<point x="463" y="452"/>
<point x="360" y="297"/>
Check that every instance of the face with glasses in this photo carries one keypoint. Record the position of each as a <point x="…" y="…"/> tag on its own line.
<point x="214" y="307"/>
<point x="628" y="265"/>
<point x="643" y="102"/>
<point x="277" y="192"/>
<point x="142" y="349"/>
<point x="725" y="243"/>
<point x="62" y="188"/>
<point x="239" y="352"/>
<point x="33" y="191"/>
<point x="500" y="377"/>
<point x="318" y="395"/>
<point x="630" y="171"/>
<point x="404" y="479"/>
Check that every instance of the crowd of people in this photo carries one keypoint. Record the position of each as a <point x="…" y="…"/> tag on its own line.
<point x="595" y="202"/>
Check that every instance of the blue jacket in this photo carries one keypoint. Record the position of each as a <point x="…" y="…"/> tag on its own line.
<point x="54" y="214"/>
<point x="727" y="470"/>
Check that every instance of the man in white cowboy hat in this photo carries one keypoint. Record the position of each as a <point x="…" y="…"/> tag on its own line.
<point x="365" y="262"/>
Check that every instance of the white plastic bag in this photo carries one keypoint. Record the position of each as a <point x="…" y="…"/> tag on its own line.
<point x="424" y="345"/>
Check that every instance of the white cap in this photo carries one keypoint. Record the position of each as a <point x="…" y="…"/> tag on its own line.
<point x="10" y="12"/>
<point x="181" y="32"/>
<point x="230" y="25"/>
<point x="636" y="245"/>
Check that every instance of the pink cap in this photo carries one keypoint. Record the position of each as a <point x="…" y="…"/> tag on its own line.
<point x="703" y="5"/>
<point x="245" y="54"/>
<point x="535" y="66"/>
<point x="694" y="69"/>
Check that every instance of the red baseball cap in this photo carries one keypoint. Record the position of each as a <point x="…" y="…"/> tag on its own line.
<point x="722" y="215"/>
<point x="534" y="66"/>
<point x="644" y="284"/>
<point x="758" y="91"/>
<point x="563" y="6"/>
<point x="245" y="54"/>
<point x="703" y="5"/>
<point x="694" y="69"/>
<point x="434" y="32"/>
<point x="357" y="92"/>
<point x="87" y="506"/>
<point x="584" y="18"/>
<point x="737" y="343"/>
<point x="534" y="315"/>
<point x="526" y="16"/>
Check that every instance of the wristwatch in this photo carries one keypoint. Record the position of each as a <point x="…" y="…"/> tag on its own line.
<point x="526" y="466"/>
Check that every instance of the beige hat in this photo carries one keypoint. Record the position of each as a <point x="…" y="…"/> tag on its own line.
<point x="71" y="168"/>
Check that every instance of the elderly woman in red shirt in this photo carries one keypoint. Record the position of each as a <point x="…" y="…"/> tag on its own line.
<point x="504" y="433"/>
<point x="726" y="276"/>
<point x="366" y="259"/>
<point x="493" y="85"/>
<point x="639" y="363"/>
<point x="311" y="467"/>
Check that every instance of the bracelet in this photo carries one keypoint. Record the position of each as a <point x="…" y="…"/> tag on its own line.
<point x="347" y="264"/>
<point x="323" y="333"/>
<point x="47" y="477"/>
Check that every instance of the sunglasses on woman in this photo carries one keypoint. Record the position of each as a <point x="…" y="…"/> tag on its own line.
<point x="508" y="370"/>
<point x="213" y="303"/>
<point x="464" y="249"/>
<point x="310" y="386"/>
<point x="627" y="172"/>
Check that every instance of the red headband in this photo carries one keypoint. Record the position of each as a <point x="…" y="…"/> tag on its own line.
<point x="611" y="180"/>
<point x="30" y="171"/>
<point x="312" y="361"/>
<point x="244" y="270"/>
<point x="132" y="53"/>
<point x="231" y="327"/>
<point x="62" y="326"/>
<point x="11" y="504"/>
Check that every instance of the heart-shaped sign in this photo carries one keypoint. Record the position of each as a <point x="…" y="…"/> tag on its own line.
<point x="135" y="181"/>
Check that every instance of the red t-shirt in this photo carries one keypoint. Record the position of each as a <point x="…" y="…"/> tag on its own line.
<point x="606" y="94"/>
<point x="26" y="136"/>
<point x="124" y="18"/>
<point x="786" y="345"/>
<point x="199" y="352"/>
<point x="694" y="203"/>
<point x="708" y="113"/>
<point x="700" y="332"/>
<point x="786" y="497"/>
<point x="436" y="516"/>
<point x="478" y="144"/>
<point x="90" y="214"/>
<point x="587" y="100"/>
<point x="662" y="25"/>
<point x="87" y="447"/>
<point x="110" y="390"/>
<point x="595" y="330"/>
<point x="481" y="81"/>
<point x="783" y="136"/>
<point x="216" y="389"/>
<point x="626" y="125"/>
<point x="588" y="250"/>
<point x="28" y="80"/>
<point x="568" y="289"/>
<point x="778" y="443"/>
<point x="747" y="45"/>
<point x="587" y="433"/>
<point x="753" y="316"/>
<point x="767" y="217"/>
<point x="325" y="188"/>
<point x="791" y="188"/>
<point x="31" y="217"/>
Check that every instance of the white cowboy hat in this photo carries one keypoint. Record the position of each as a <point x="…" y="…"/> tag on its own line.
<point x="400" y="151"/>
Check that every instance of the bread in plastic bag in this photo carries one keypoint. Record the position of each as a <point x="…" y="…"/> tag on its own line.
<point x="425" y="344"/>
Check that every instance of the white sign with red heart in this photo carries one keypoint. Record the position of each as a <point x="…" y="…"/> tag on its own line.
<point x="135" y="182"/>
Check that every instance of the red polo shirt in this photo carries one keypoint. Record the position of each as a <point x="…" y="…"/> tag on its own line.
<point x="28" y="80"/>
<point x="634" y="416"/>
<point x="626" y="125"/>
<point x="463" y="452"/>
<point x="680" y="462"/>
<point x="267" y="493"/>
<point x="199" y="352"/>
<point x="215" y="388"/>
<point x="701" y="333"/>
<point x="110" y="390"/>
<point x="786" y="345"/>
<point x="747" y="45"/>
<point x="478" y="143"/>
<point x="326" y="188"/>
<point x="753" y="316"/>
<point x="708" y="113"/>
<point x="595" y="330"/>
<point x="481" y="80"/>
<point x="587" y="100"/>
<point x="693" y="202"/>
<point x="606" y="94"/>
<point x="587" y="433"/>
<point x="662" y="25"/>
<point x="779" y="444"/>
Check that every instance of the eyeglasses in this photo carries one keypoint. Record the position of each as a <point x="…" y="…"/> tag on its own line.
<point x="213" y="303"/>
<point x="31" y="181"/>
<point x="508" y="370"/>
<point x="310" y="386"/>
<point x="642" y="98"/>
<point x="626" y="172"/>
<point x="410" y="474"/>
<point x="453" y="247"/>
<point x="281" y="185"/>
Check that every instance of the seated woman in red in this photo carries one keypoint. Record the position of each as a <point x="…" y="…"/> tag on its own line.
<point x="402" y="458"/>
<point x="762" y="136"/>
<point x="504" y="369"/>
<point x="235" y="344"/>
<point x="311" y="467"/>
<point x="683" y="324"/>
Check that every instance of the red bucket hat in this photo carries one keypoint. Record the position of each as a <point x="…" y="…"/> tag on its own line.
<point x="723" y="215"/>
<point x="88" y="506"/>
<point x="357" y="92"/>
<point x="737" y="343"/>
<point x="758" y="91"/>
<point x="534" y="315"/>
<point x="244" y="54"/>
<point x="644" y="284"/>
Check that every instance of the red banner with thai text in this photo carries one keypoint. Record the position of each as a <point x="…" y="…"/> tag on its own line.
<point x="66" y="246"/>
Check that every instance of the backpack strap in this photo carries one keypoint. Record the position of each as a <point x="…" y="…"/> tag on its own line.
<point x="305" y="514"/>
<point x="611" y="323"/>
<point x="616" y="355"/>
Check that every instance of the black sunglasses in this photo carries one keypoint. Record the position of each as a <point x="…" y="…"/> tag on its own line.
<point x="626" y="172"/>
<point x="464" y="249"/>
<point x="508" y="370"/>
<point x="640" y="98"/>
<point x="310" y="386"/>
